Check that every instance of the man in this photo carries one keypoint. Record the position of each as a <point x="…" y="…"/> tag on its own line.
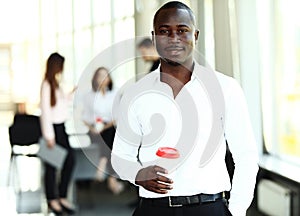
<point x="188" y="109"/>
<point x="149" y="53"/>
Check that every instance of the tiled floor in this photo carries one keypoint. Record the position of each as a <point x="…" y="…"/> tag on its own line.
<point x="24" y="194"/>
<point x="96" y="199"/>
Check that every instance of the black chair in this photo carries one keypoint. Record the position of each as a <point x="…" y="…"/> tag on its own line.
<point x="23" y="133"/>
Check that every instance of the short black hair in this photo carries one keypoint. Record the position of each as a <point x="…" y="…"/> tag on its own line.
<point x="178" y="5"/>
<point x="146" y="42"/>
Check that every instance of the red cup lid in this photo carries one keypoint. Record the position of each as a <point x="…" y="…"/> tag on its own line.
<point x="167" y="152"/>
<point x="98" y="119"/>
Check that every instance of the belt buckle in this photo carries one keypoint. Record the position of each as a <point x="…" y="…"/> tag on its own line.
<point x="171" y="205"/>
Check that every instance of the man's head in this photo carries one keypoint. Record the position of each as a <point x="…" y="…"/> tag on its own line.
<point x="147" y="50"/>
<point x="174" y="33"/>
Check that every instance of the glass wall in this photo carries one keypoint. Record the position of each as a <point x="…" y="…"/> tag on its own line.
<point x="5" y="64"/>
<point x="79" y="30"/>
<point x="280" y="59"/>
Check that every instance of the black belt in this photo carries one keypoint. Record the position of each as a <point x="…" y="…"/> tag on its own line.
<point x="177" y="201"/>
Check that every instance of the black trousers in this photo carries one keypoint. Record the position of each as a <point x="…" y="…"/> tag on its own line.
<point x="105" y="140"/>
<point x="52" y="190"/>
<point x="217" y="208"/>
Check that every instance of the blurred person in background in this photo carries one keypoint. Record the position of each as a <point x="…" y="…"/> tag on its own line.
<point x="54" y="113"/>
<point x="97" y="115"/>
<point x="149" y="53"/>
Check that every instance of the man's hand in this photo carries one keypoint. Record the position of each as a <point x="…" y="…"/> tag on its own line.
<point x="150" y="179"/>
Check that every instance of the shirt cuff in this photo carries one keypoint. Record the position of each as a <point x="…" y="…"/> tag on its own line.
<point x="132" y="179"/>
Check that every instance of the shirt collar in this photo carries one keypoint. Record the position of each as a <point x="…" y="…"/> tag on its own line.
<point x="195" y="73"/>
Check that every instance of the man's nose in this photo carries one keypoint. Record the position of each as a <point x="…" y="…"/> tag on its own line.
<point x="174" y="37"/>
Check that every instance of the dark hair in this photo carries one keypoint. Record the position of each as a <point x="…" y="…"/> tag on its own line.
<point x="55" y="64"/>
<point x="95" y="85"/>
<point x="146" y="42"/>
<point x="178" y="5"/>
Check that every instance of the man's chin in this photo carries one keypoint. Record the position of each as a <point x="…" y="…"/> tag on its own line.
<point x="172" y="62"/>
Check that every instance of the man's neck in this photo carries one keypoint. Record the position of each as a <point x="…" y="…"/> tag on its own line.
<point x="175" y="76"/>
<point x="182" y="73"/>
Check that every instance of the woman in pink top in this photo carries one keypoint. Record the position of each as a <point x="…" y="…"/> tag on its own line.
<point x="54" y="112"/>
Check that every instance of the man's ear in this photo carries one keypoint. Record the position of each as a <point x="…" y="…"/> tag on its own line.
<point x="152" y="33"/>
<point x="196" y="35"/>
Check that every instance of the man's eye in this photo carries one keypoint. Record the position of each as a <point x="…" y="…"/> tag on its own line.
<point x="182" y="30"/>
<point x="162" y="31"/>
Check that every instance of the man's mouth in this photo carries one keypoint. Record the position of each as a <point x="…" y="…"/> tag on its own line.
<point x="174" y="50"/>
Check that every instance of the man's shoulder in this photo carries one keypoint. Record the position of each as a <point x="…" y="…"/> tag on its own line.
<point x="222" y="78"/>
<point x="148" y="76"/>
<point x="229" y="84"/>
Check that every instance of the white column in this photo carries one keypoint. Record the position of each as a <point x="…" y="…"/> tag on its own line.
<point x="249" y="62"/>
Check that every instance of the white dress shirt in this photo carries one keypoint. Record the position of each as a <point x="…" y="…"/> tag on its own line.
<point x="97" y="104"/>
<point x="188" y="176"/>
<point x="52" y="115"/>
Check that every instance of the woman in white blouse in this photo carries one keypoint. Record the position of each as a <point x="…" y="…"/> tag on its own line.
<point x="54" y="112"/>
<point x="97" y="115"/>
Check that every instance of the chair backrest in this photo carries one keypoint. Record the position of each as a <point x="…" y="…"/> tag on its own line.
<point x="25" y="130"/>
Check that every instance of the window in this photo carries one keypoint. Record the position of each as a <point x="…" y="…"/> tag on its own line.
<point x="5" y="75"/>
<point x="64" y="16"/>
<point x="79" y="30"/>
<point x="82" y="14"/>
<point x="47" y="17"/>
<point x="120" y="32"/>
<point x="65" y="47"/>
<point x="82" y="48"/>
<point x="102" y="38"/>
<point x="122" y="9"/>
<point x="101" y="15"/>
<point x="280" y="59"/>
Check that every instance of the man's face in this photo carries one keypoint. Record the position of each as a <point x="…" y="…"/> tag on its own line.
<point x="175" y="35"/>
